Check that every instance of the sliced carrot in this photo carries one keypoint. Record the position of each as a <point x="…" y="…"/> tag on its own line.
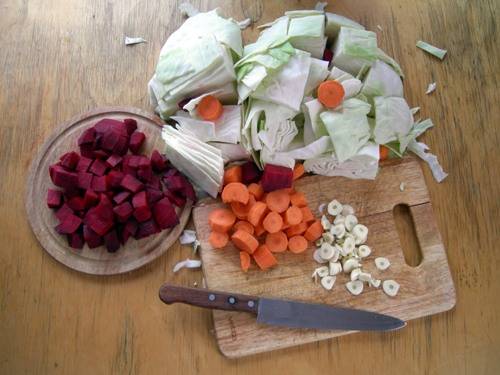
<point x="232" y="174"/>
<point x="298" y="171"/>
<point x="209" y="108"/>
<point x="307" y="215"/>
<point x="278" y="201"/>
<point x="264" y="258"/>
<point x="297" y="244"/>
<point x="314" y="231"/>
<point x="297" y="229"/>
<point x="289" y="190"/>
<point x="256" y="190"/>
<point x="244" y="241"/>
<point x="277" y="242"/>
<point x="330" y="93"/>
<point x="285" y="225"/>
<point x="259" y="230"/>
<point x="384" y="152"/>
<point x="244" y="225"/>
<point x="293" y="215"/>
<point x="218" y="239"/>
<point x="244" y="260"/>
<point x="272" y="222"/>
<point x="240" y="209"/>
<point x="298" y="199"/>
<point x="256" y="213"/>
<point x="221" y="219"/>
<point x="235" y="192"/>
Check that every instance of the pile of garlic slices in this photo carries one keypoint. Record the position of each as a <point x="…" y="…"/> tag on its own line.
<point x="343" y="247"/>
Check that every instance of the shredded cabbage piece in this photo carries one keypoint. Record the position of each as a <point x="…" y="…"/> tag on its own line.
<point x="420" y="149"/>
<point x="434" y="51"/>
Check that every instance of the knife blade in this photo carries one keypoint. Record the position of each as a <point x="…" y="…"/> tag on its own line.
<point x="284" y="313"/>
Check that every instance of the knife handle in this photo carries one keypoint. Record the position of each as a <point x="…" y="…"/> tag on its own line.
<point x="208" y="298"/>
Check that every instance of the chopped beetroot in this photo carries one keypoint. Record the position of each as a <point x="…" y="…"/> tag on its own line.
<point x="144" y="162"/>
<point x="111" y="241"/>
<point x="108" y="124"/>
<point x="69" y="224"/>
<point x="158" y="161"/>
<point x="83" y="164"/>
<point x="97" y="218"/>
<point x="134" y="161"/>
<point x="327" y="55"/>
<point x="70" y="160"/>
<point x="174" y="183"/>
<point x="90" y="198"/>
<point x="128" y="230"/>
<point x="131" y="183"/>
<point x="153" y="195"/>
<point x="276" y="177"/>
<point x="113" y="160"/>
<point x="164" y="214"/>
<point x="145" y="174"/>
<point x="87" y="150"/>
<point x="99" y="184"/>
<point x="100" y="154"/>
<point x="123" y="211"/>
<point x="54" y="198"/>
<point x="250" y="173"/>
<point x="63" y="212"/>
<point x="130" y="125"/>
<point x="76" y="203"/>
<point x="87" y="137"/>
<point x="121" y="146"/>
<point x="75" y="240"/>
<point x="154" y="183"/>
<point x="114" y="178"/>
<point x="121" y="197"/>
<point x="92" y="239"/>
<point x="63" y="178"/>
<point x="109" y="140"/>
<point x="146" y="229"/>
<point x="98" y="168"/>
<point x="136" y="141"/>
<point x="174" y="198"/>
<point x="85" y="180"/>
<point x="141" y="207"/>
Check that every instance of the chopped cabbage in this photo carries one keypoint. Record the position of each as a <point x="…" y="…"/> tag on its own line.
<point x="429" y="48"/>
<point x="318" y="72"/>
<point x="382" y="80"/>
<point x="308" y="34"/>
<point x="416" y="130"/>
<point x="335" y="21"/>
<point x="354" y="48"/>
<point x="420" y="149"/>
<point x="352" y="86"/>
<point x="393" y="119"/>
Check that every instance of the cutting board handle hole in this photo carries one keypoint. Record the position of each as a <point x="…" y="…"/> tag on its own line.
<point x="407" y="234"/>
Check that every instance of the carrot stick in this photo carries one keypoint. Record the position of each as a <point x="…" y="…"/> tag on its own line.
<point x="272" y="222"/>
<point x="232" y="174"/>
<point x="245" y="226"/>
<point x="244" y="261"/>
<point x="256" y="213"/>
<point x="235" y="192"/>
<point x="384" y="152"/>
<point x="314" y="231"/>
<point x="256" y="190"/>
<point x="240" y="209"/>
<point x="264" y="258"/>
<point x="209" y="108"/>
<point x="259" y="230"/>
<point x="244" y="241"/>
<point x="296" y="229"/>
<point x="218" y="240"/>
<point x="297" y="244"/>
<point x="278" y="201"/>
<point x="298" y="171"/>
<point x="330" y="93"/>
<point x="221" y="220"/>
<point x="307" y="215"/>
<point x="293" y="215"/>
<point x="277" y="242"/>
<point x="298" y="199"/>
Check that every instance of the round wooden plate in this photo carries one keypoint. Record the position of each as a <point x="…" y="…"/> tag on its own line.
<point x="98" y="261"/>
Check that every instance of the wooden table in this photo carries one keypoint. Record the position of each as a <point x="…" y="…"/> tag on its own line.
<point x="60" y="58"/>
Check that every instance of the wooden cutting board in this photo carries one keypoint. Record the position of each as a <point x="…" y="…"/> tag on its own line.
<point x="425" y="289"/>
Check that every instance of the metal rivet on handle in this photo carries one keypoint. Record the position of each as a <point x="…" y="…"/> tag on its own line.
<point x="232" y="300"/>
<point x="251" y="303"/>
<point x="211" y="297"/>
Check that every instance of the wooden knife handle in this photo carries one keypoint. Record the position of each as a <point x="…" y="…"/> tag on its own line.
<point x="208" y="298"/>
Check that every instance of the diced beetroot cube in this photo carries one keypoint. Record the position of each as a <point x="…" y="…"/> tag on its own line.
<point x="174" y="183"/>
<point x="52" y="168"/>
<point x="170" y="172"/>
<point x="105" y="201"/>
<point x="111" y="241"/>
<point x="189" y="190"/>
<point x="63" y="212"/>
<point x="54" y="198"/>
<point x="128" y="230"/>
<point x="114" y="178"/>
<point x="130" y="125"/>
<point x="92" y="239"/>
<point x="87" y="150"/>
<point x="98" y="168"/>
<point x="154" y="182"/>
<point x="250" y="173"/>
<point x="109" y="140"/>
<point x="97" y="218"/>
<point x="109" y="124"/>
<point x="164" y="214"/>
<point x="99" y="184"/>
<point x="158" y="161"/>
<point x="144" y="162"/>
<point x="136" y="141"/>
<point x="69" y="224"/>
<point x="121" y="197"/>
<point x="83" y="164"/>
<point x="113" y="160"/>
<point x="75" y="240"/>
<point x="87" y="137"/>
<point x="90" y="198"/>
<point x="123" y="211"/>
<point x="84" y="180"/>
<point x="153" y="195"/>
<point x="141" y="207"/>
<point x="121" y="146"/>
<point x="174" y="198"/>
<point x="70" y="160"/>
<point x="71" y="192"/>
<point x="63" y="178"/>
<point x="131" y="183"/>
<point x="100" y="154"/>
<point x="134" y="160"/>
<point x="145" y="174"/>
<point x="276" y="177"/>
<point x="327" y="55"/>
<point x="76" y="203"/>
<point x="146" y="229"/>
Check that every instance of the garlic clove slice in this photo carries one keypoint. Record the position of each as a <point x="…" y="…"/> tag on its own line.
<point x="364" y="251"/>
<point x="338" y="230"/>
<point x="375" y="283"/>
<point x="322" y="271"/>
<point x="334" y="207"/>
<point x="349" y="264"/>
<point x="348" y="245"/>
<point x="317" y="257"/>
<point x="390" y="287"/>
<point x="354" y="287"/>
<point x="325" y="223"/>
<point x="335" y="268"/>
<point x="350" y="222"/>
<point x="328" y="281"/>
<point x="360" y="231"/>
<point x="347" y="210"/>
<point x="326" y="251"/>
<point x="364" y="276"/>
<point x="340" y="219"/>
<point x="382" y="263"/>
<point x="327" y="237"/>
<point x="355" y="274"/>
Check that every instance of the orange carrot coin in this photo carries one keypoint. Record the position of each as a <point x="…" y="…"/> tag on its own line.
<point x="218" y="240"/>
<point x="297" y="244"/>
<point x="221" y="220"/>
<point x="330" y="93"/>
<point x="277" y="242"/>
<point x="209" y="108"/>
<point x="272" y="222"/>
<point x="235" y="192"/>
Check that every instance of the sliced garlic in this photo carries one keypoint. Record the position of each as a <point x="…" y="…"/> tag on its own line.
<point x="325" y="222"/>
<point x="364" y="276"/>
<point x="317" y="257"/>
<point x="354" y="287"/>
<point x="364" y="251"/>
<point x="402" y="186"/>
<point x="336" y="255"/>
<point x="390" y="287"/>
<point x="349" y="264"/>
<point x="359" y="240"/>
<point x="319" y="242"/>
<point x="382" y="263"/>
<point x="334" y="207"/>
<point x="338" y="230"/>
<point x="327" y="237"/>
<point x="348" y="245"/>
<point x="375" y="283"/>
<point x="328" y="281"/>
<point x="350" y="222"/>
<point x="340" y="219"/>
<point x="360" y="231"/>
<point x="322" y="271"/>
<point x="321" y="208"/>
<point x="355" y="274"/>
<point x="326" y="251"/>
<point x="347" y="210"/>
<point x="335" y="268"/>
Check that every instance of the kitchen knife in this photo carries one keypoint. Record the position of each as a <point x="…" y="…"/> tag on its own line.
<point x="283" y="312"/>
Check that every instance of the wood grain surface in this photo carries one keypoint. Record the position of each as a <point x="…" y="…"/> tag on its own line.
<point x="426" y="288"/>
<point x="59" y="58"/>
